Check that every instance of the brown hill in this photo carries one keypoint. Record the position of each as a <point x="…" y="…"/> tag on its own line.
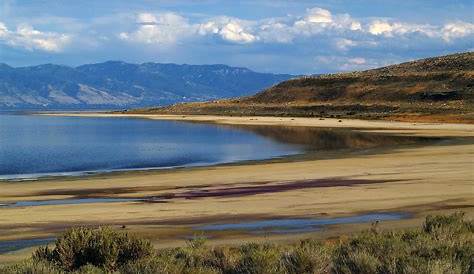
<point x="432" y="89"/>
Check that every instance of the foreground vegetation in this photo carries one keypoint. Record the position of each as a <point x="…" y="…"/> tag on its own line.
<point x="444" y="244"/>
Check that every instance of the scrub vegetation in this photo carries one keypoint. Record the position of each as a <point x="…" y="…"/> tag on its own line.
<point x="444" y="244"/>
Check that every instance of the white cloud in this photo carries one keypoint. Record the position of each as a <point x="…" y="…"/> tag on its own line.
<point x="455" y="30"/>
<point x="391" y="29"/>
<point x="319" y="20"/>
<point x="315" y="25"/>
<point x="25" y="36"/>
<point x="3" y="30"/>
<point x="446" y="33"/>
<point x="232" y="31"/>
<point x="345" y="44"/>
<point x="164" y="28"/>
<point x="378" y="27"/>
<point x="276" y="32"/>
<point x="318" y="16"/>
<point x="170" y="28"/>
<point x="229" y="29"/>
<point x="146" y="18"/>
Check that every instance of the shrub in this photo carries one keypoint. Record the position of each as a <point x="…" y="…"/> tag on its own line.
<point x="443" y="245"/>
<point x="30" y="267"/>
<point x="447" y="224"/>
<point x="90" y="269"/>
<point x="153" y="265"/>
<point x="164" y="264"/>
<point x="102" y="247"/>
<point x="308" y="257"/>
<point x="259" y="258"/>
<point x="226" y="259"/>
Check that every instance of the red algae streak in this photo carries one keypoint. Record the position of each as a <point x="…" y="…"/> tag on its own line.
<point x="268" y="188"/>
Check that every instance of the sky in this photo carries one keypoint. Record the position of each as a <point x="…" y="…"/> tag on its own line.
<point x="297" y="37"/>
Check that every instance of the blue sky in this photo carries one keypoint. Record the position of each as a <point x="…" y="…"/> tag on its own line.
<point x="299" y="37"/>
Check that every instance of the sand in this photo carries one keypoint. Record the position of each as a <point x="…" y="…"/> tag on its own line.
<point x="419" y="180"/>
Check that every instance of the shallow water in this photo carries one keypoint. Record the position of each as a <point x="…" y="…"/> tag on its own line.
<point x="280" y="226"/>
<point x="270" y="226"/>
<point x="34" y="146"/>
<point x="10" y="246"/>
<point x="74" y="201"/>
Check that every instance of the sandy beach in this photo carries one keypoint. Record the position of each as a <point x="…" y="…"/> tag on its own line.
<point x="418" y="180"/>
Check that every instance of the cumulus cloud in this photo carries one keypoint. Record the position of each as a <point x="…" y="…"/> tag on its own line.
<point x="229" y="29"/>
<point x="170" y="28"/>
<point x="390" y="29"/>
<point x="455" y="30"/>
<point x="318" y="16"/>
<point x="164" y="28"/>
<point x="274" y="31"/>
<point x="25" y="36"/>
<point x="316" y="24"/>
<point x="447" y="32"/>
<point x="317" y="21"/>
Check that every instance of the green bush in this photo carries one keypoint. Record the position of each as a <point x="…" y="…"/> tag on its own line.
<point x="226" y="259"/>
<point x="102" y="247"/>
<point x="260" y="258"/>
<point x="443" y="245"/>
<point x="31" y="267"/>
<point x="153" y="265"/>
<point x="308" y="257"/>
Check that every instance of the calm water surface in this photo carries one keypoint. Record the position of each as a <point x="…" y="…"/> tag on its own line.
<point x="33" y="146"/>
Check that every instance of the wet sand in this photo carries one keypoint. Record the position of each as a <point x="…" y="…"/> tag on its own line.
<point x="418" y="180"/>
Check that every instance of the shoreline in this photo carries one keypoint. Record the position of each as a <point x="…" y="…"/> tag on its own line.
<point x="453" y="129"/>
<point x="403" y="179"/>
<point x="374" y="126"/>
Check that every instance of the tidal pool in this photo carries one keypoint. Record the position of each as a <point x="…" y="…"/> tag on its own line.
<point x="299" y="225"/>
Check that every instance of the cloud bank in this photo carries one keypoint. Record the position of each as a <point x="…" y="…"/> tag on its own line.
<point x="312" y="41"/>
<point x="166" y="28"/>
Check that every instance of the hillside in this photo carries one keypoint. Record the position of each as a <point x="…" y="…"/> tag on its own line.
<point x="433" y="89"/>
<point x="121" y="85"/>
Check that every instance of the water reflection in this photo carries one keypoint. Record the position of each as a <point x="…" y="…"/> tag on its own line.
<point x="332" y="139"/>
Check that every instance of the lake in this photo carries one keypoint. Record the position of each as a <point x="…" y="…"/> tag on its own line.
<point x="32" y="146"/>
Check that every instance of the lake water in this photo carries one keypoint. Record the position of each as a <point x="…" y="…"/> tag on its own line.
<point x="32" y="146"/>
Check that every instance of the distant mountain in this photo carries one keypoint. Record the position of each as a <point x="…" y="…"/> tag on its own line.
<point x="116" y="84"/>
<point x="433" y="89"/>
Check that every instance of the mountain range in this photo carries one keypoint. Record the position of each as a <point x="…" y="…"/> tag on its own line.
<point x="116" y="84"/>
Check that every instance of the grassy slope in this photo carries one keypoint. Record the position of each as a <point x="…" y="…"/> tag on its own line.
<point x="433" y="89"/>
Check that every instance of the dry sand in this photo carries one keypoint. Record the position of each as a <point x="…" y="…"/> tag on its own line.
<point x="419" y="180"/>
